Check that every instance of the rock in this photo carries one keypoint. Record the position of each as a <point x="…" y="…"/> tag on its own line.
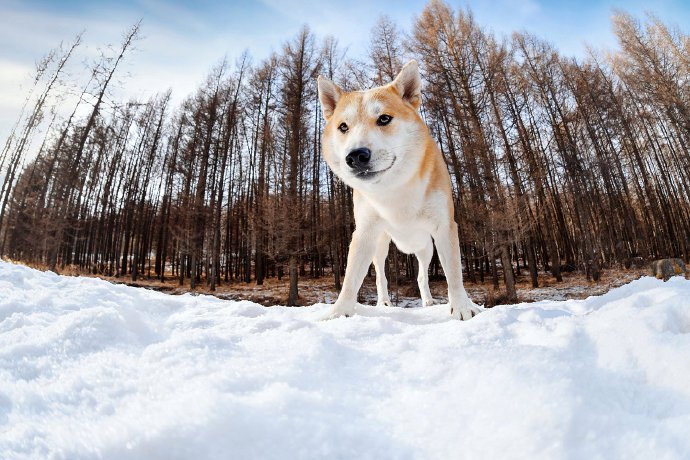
<point x="666" y="268"/>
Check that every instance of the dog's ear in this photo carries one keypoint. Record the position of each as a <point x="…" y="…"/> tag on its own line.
<point x="408" y="84"/>
<point x="329" y="93"/>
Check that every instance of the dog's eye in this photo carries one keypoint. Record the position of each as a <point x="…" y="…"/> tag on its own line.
<point x="383" y="120"/>
<point x="343" y="127"/>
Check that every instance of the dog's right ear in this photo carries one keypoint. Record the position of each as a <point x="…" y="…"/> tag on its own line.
<point x="329" y="93"/>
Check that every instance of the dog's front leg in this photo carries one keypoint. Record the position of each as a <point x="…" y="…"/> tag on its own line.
<point x="448" y="246"/>
<point x="380" y="254"/>
<point x="359" y="258"/>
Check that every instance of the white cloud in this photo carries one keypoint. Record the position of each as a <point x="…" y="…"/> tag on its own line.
<point x="177" y="49"/>
<point x="13" y="78"/>
<point x="181" y="43"/>
<point x="164" y="58"/>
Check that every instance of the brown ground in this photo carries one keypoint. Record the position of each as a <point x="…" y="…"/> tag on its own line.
<point x="274" y="291"/>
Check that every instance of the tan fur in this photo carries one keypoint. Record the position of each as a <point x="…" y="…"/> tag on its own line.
<point x="403" y="192"/>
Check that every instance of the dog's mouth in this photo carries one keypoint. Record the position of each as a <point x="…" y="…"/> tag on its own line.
<point x="367" y="174"/>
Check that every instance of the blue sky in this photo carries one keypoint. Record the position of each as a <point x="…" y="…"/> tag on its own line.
<point x="183" y="40"/>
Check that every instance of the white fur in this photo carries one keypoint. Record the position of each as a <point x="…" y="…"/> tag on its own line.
<point x="394" y="204"/>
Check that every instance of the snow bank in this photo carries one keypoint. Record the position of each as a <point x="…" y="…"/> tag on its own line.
<point x="89" y="369"/>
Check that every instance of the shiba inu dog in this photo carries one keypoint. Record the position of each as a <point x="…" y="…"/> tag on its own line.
<point x="377" y="143"/>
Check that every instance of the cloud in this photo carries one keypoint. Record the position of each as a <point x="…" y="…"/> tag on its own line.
<point x="181" y="41"/>
<point x="13" y="75"/>
<point x="179" y="45"/>
<point x="166" y="57"/>
<point x="13" y="79"/>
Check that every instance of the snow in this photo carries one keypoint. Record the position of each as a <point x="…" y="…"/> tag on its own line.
<point x="90" y="369"/>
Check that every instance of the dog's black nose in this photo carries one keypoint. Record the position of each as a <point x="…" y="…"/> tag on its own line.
<point x="358" y="158"/>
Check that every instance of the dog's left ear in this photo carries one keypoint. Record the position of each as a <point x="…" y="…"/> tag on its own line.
<point x="408" y="83"/>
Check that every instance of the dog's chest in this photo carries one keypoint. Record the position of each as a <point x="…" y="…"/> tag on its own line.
<point x="408" y="226"/>
<point x="409" y="215"/>
<point x="409" y="240"/>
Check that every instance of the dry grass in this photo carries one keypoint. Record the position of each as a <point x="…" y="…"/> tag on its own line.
<point x="274" y="291"/>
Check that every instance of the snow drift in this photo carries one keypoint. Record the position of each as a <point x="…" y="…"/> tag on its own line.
<point x="89" y="369"/>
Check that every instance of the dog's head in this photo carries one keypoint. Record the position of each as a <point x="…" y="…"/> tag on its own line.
<point x="376" y="136"/>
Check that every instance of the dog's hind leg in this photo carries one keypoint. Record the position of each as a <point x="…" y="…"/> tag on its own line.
<point x="424" y="259"/>
<point x="382" y="245"/>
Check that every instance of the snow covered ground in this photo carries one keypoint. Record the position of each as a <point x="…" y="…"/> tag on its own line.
<point x="89" y="369"/>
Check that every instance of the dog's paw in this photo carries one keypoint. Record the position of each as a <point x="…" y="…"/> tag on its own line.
<point x="339" y="310"/>
<point x="464" y="310"/>
<point x="428" y="302"/>
<point x="384" y="303"/>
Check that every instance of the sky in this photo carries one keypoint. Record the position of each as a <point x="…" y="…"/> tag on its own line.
<point x="183" y="40"/>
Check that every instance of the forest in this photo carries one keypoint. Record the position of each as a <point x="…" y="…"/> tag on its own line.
<point x="557" y="163"/>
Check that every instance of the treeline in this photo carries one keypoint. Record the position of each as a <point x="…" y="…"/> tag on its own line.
<point x="556" y="162"/>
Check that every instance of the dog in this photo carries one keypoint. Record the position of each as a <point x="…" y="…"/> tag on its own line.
<point x="377" y="143"/>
